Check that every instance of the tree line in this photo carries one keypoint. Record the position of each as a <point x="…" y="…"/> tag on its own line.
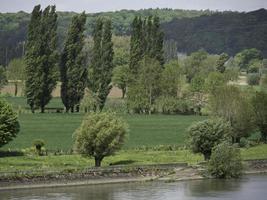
<point x="13" y="26"/>
<point x="179" y="26"/>
<point x="43" y="59"/>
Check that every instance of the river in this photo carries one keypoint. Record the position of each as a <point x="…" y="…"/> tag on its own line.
<point x="251" y="187"/>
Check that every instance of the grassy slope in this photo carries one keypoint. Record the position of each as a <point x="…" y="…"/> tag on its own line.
<point x="130" y="157"/>
<point x="57" y="129"/>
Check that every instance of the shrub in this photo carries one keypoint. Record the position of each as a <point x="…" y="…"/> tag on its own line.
<point x="243" y="142"/>
<point x="259" y="104"/>
<point x="100" y="135"/>
<point x="9" y="125"/>
<point x="233" y="104"/>
<point x="253" y="79"/>
<point x="172" y="105"/>
<point x="116" y="105"/>
<point x="255" y="138"/>
<point x="38" y="144"/>
<point x="225" y="161"/>
<point x="204" y="135"/>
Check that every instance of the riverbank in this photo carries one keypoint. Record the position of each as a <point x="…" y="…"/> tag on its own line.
<point x="120" y="174"/>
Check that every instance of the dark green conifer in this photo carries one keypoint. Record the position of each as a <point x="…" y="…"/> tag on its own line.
<point x="102" y="62"/>
<point x="136" y="50"/>
<point x="41" y="57"/>
<point x="49" y="57"/>
<point x="157" y="41"/>
<point x="32" y="54"/>
<point x="73" y="71"/>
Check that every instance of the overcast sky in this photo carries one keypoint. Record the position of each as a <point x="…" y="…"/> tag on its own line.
<point x="92" y="6"/>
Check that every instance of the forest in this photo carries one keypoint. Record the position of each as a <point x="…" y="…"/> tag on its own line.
<point x="191" y="30"/>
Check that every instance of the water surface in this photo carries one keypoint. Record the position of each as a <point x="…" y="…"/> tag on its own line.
<point x="248" y="188"/>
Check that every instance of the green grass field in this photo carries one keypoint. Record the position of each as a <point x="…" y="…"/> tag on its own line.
<point x="21" y="102"/>
<point x="56" y="130"/>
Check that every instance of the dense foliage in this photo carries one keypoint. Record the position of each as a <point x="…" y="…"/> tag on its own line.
<point x="73" y="71"/>
<point x="232" y="104"/>
<point x="225" y="161"/>
<point x="101" y="67"/>
<point x="16" y="72"/>
<point x="9" y="125"/>
<point x="184" y="28"/>
<point x="204" y="135"/>
<point x="13" y="26"/>
<point x="143" y="93"/>
<point x="100" y="135"/>
<point x="120" y="78"/>
<point x="259" y="103"/>
<point x="228" y="32"/>
<point x="41" y="57"/>
<point x="3" y="76"/>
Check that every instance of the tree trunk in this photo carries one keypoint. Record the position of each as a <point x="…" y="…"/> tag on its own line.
<point x="78" y="108"/>
<point x="67" y="109"/>
<point x="72" y="109"/>
<point x="98" y="161"/>
<point x="150" y="100"/>
<point x="123" y="92"/>
<point x="42" y="109"/>
<point x="16" y="89"/>
<point x="32" y="108"/>
<point x="207" y="156"/>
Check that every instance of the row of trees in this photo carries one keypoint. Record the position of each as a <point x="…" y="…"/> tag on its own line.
<point x="41" y="57"/>
<point x="43" y="61"/>
<point x="146" y="63"/>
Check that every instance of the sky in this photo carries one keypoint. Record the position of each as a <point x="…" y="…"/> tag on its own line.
<point x="92" y="6"/>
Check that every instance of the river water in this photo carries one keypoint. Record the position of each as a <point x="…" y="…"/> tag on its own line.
<point x="252" y="187"/>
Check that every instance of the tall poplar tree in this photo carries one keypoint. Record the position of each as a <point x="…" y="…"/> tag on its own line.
<point x="136" y="50"/>
<point x="73" y="70"/>
<point x="41" y="57"/>
<point x="146" y="40"/>
<point x="146" y="44"/>
<point x="102" y="62"/>
<point x="49" y="57"/>
<point x="32" y="53"/>
<point x="157" y="37"/>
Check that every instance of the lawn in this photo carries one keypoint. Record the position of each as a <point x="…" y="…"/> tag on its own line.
<point x="21" y="102"/>
<point x="56" y="130"/>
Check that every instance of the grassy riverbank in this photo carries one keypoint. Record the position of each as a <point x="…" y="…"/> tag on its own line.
<point x="129" y="157"/>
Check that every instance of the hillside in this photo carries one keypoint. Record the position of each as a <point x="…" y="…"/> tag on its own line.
<point x="13" y="26"/>
<point x="216" y="32"/>
<point x="228" y="32"/>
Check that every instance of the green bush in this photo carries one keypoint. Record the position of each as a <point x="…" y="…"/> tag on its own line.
<point x="9" y="125"/>
<point x="100" y="135"/>
<point x="225" y="161"/>
<point x="253" y="79"/>
<point x="204" y="135"/>
<point x="172" y="105"/>
<point x="116" y="105"/>
<point x="243" y="142"/>
<point x="255" y="137"/>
